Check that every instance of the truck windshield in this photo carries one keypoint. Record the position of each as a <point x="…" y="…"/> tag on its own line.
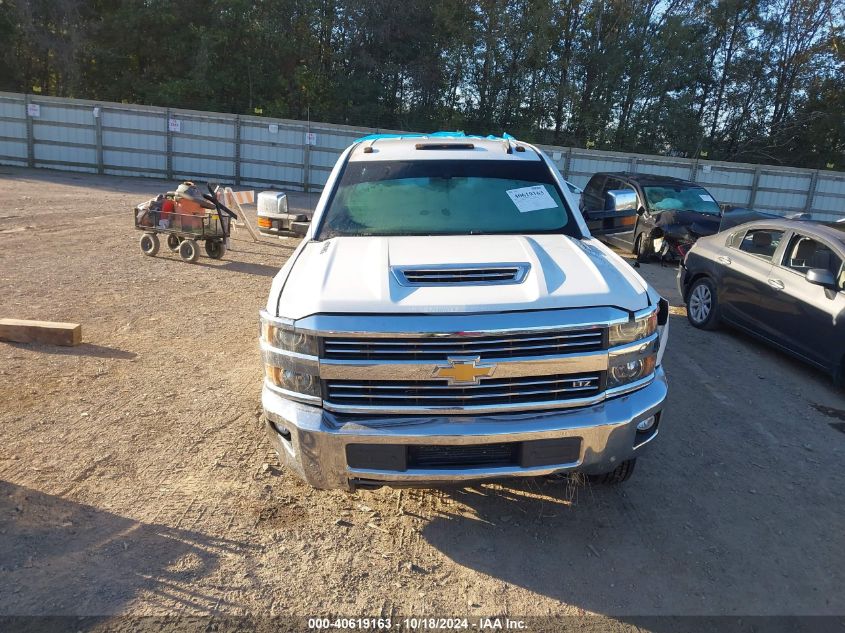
<point x="681" y="198"/>
<point x="446" y="197"/>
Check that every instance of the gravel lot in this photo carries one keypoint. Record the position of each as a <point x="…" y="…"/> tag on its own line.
<point x="135" y="477"/>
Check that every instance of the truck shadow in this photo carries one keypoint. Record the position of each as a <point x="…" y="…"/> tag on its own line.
<point x="648" y="547"/>
<point x="58" y="557"/>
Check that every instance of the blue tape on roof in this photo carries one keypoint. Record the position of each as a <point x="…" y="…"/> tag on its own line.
<point x="375" y="137"/>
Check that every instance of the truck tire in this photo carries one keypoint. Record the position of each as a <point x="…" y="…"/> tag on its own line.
<point x="189" y="251"/>
<point x="702" y="305"/>
<point x="618" y="475"/>
<point x="643" y="248"/>
<point x="173" y="242"/>
<point x="149" y="244"/>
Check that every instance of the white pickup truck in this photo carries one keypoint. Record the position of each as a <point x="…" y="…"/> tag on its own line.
<point x="448" y="317"/>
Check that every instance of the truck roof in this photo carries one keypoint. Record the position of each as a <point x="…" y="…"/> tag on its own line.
<point x="441" y="147"/>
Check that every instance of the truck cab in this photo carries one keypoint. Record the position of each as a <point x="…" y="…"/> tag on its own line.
<point x="448" y="317"/>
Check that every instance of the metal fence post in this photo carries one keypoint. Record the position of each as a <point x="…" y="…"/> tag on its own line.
<point x="693" y="170"/>
<point x="238" y="149"/>
<point x="98" y="131"/>
<point x="30" y="139"/>
<point x="169" y="145"/>
<point x="306" y="161"/>
<point x="811" y="193"/>
<point x="632" y="165"/>
<point x="567" y="163"/>
<point x="754" y="184"/>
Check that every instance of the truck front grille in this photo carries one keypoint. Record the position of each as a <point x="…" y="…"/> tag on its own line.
<point x="489" y="347"/>
<point x="439" y="394"/>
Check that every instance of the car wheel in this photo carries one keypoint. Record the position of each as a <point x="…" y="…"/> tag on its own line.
<point x="618" y="475"/>
<point x="702" y="305"/>
<point x="642" y="248"/>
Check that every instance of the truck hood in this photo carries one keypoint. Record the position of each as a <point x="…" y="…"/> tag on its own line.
<point x="353" y="275"/>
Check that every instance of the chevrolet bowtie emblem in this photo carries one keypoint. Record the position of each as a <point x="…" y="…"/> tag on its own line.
<point x="464" y="371"/>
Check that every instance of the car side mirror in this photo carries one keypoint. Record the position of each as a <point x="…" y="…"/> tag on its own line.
<point x="821" y="277"/>
<point x="641" y="211"/>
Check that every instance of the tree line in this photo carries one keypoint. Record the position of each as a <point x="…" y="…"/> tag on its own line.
<point x="742" y="80"/>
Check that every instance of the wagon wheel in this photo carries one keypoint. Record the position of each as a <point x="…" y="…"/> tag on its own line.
<point x="173" y="242"/>
<point x="149" y="244"/>
<point x="189" y="251"/>
<point x="215" y="249"/>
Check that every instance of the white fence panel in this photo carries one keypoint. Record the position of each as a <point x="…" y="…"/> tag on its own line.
<point x="128" y="139"/>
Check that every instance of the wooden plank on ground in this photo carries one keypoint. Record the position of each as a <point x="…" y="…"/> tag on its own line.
<point x="47" y="332"/>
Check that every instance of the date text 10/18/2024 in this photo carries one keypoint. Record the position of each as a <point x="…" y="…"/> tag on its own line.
<point x="417" y="624"/>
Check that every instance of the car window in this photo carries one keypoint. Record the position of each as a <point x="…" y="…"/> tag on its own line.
<point x="592" y="196"/>
<point x="804" y="253"/>
<point x="761" y="242"/>
<point x="735" y="239"/>
<point x="681" y="197"/>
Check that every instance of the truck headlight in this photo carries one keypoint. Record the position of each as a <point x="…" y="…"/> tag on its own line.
<point x="294" y="381"/>
<point x="624" y="369"/>
<point x="632" y="363"/>
<point x="291" y="360"/>
<point x="288" y="339"/>
<point x="637" y="328"/>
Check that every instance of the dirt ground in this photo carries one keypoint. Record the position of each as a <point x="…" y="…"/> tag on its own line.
<point x="135" y="477"/>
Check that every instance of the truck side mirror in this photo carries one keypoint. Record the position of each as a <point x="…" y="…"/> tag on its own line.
<point x="299" y="228"/>
<point x="622" y="200"/>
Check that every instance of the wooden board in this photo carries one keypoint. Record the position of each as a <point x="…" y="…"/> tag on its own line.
<point x="47" y="332"/>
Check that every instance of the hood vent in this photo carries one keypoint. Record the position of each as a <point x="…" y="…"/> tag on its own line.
<point x="461" y="274"/>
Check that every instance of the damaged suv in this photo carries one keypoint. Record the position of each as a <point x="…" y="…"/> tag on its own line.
<point x="448" y="317"/>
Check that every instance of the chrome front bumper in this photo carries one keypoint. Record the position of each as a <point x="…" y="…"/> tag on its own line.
<point x="312" y="441"/>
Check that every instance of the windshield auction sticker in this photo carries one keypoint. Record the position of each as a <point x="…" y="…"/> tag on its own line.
<point x="531" y="198"/>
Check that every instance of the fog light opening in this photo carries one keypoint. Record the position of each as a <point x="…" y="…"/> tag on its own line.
<point x="281" y="431"/>
<point x="645" y="425"/>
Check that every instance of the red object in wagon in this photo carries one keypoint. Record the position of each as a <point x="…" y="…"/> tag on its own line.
<point x="167" y="207"/>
